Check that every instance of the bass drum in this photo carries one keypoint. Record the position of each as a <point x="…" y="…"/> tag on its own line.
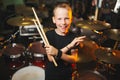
<point x="29" y="73"/>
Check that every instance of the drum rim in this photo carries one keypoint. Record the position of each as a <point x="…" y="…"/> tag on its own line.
<point x="38" y="55"/>
<point x="15" y="56"/>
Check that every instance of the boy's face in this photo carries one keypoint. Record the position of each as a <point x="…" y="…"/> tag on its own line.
<point x="62" y="18"/>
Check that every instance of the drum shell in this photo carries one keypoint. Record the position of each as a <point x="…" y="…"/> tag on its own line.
<point x="38" y="60"/>
<point x="36" y="54"/>
<point x="36" y="47"/>
<point x="14" y="55"/>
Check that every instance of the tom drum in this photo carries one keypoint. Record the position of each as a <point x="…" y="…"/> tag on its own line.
<point x="37" y="53"/>
<point x="13" y="54"/>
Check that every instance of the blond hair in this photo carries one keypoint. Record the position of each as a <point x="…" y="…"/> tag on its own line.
<point x="63" y="5"/>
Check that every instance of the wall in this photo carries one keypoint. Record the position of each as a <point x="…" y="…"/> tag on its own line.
<point x="12" y="2"/>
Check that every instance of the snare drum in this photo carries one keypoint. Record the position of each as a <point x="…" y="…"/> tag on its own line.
<point x="29" y="73"/>
<point x="37" y="52"/>
<point x="13" y="54"/>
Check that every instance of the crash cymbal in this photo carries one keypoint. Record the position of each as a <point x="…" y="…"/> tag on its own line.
<point x="108" y="55"/>
<point x="20" y="21"/>
<point x="87" y="49"/>
<point x="93" y="25"/>
<point x="113" y="34"/>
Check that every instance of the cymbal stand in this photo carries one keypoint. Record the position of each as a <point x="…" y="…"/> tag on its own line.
<point x="116" y="44"/>
<point x="101" y="39"/>
<point x="99" y="4"/>
<point x="34" y="38"/>
<point x="9" y="40"/>
<point x="105" y="68"/>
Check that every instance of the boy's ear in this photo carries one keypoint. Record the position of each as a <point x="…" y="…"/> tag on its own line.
<point x="53" y="18"/>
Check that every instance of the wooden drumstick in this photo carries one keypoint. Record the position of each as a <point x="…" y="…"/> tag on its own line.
<point x="42" y="34"/>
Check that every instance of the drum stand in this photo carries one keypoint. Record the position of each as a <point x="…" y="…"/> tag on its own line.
<point x="9" y="40"/>
<point x="106" y="69"/>
<point x="117" y="45"/>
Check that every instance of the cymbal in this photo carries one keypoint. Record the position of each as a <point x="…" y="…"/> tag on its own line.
<point x="113" y="34"/>
<point x="87" y="49"/>
<point x="93" y="25"/>
<point x="108" y="55"/>
<point x="20" y="21"/>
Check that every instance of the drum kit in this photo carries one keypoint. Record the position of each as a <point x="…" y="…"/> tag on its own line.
<point x="95" y="57"/>
<point x="18" y="56"/>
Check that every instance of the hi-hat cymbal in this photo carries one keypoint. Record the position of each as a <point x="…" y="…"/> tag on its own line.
<point x="108" y="55"/>
<point x="20" y="21"/>
<point x="93" y="25"/>
<point x="113" y="34"/>
<point x="87" y="50"/>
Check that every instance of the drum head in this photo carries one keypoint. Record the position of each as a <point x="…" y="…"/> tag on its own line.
<point x="29" y="73"/>
<point x="36" y="47"/>
<point x="13" y="49"/>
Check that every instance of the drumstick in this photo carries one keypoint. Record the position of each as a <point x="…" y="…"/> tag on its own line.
<point x="43" y="35"/>
<point x="44" y="41"/>
<point x="40" y="26"/>
<point x="41" y="32"/>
